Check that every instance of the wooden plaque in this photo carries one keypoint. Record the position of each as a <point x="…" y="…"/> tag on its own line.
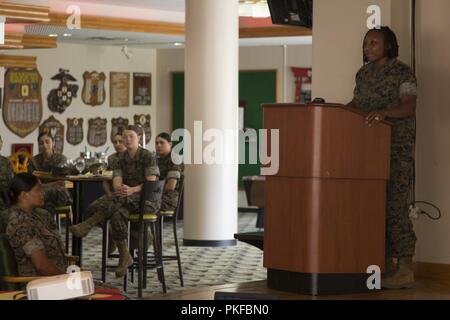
<point x="56" y="130"/>
<point x="22" y="108"/>
<point x="119" y="89"/>
<point x="142" y="89"/>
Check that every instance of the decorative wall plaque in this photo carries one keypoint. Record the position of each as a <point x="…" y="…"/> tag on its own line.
<point x="142" y="89"/>
<point x="119" y="83"/>
<point x="74" y="131"/>
<point x="118" y="125"/>
<point x="145" y="121"/>
<point x="22" y="106"/>
<point x="97" y="132"/>
<point x="59" y="99"/>
<point x="94" y="88"/>
<point x="56" y="130"/>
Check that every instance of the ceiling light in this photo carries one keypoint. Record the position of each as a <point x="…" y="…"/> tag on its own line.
<point x="254" y="8"/>
<point x="67" y="34"/>
<point x="53" y="35"/>
<point x="178" y="44"/>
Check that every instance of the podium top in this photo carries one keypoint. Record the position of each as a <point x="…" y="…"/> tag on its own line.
<point x="319" y="105"/>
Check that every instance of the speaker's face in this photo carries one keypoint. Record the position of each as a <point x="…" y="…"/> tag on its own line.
<point x="374" y="47"/>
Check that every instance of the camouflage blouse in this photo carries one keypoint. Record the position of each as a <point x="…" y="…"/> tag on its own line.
<point x="378" y="89"/>
<point x="29" y="233"/>
<point x="6" y="173"/>
<point x="169" y="170"/>
<point x="134" y="171"/>
<point x="113" y="160"/>
<point x="6" y="176"/>
<point x="38" y="163"/>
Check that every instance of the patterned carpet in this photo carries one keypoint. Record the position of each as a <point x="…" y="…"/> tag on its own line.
<point x="201" y="266"/>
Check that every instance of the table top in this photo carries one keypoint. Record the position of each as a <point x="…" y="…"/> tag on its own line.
<point x="85" y="177"/>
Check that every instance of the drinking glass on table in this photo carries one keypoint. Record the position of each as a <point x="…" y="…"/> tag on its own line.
<point x="80" y="165"/>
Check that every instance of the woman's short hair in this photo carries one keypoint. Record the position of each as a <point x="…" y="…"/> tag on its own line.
<point x="22" y="182"/>
<point x="135" y="128"/>
<point x="165" y="136"/>
<point x="43" y="134"/>
<point x="391" y="47"/>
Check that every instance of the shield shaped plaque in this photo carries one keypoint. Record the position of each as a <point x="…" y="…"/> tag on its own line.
<point x="22" y="106"/>
<point x="118" y="125"/>
<point x="74" y="131"/>
<point x="56" y="130"/>
<point x="97" y="132"/>
<point x="144" y="121"/>
<point x="94" y="88"/>
<point x="61" y="98"/>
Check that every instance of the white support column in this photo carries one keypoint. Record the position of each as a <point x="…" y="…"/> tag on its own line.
<point x="211" y="86"/>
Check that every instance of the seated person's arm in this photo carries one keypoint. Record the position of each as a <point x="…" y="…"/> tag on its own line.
<point x="170" y="185"/>
<point x="107" y="189"/>
<point x="117" y="183"/>
<point x="43" y="265"/>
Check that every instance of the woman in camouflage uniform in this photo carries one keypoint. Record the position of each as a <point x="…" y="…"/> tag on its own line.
<point x="34" y="238"/>
<point x="134" y="167"/>
<point x="47" y="159"/>
<point x="56" y="194"/>
<point x="6" y="176"/>
<point x="102" y="203"/>
<point x="386" y="89"/>
<point x="168" y="171"/>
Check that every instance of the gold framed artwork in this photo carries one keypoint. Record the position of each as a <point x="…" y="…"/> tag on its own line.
<point x="119" y="91"/>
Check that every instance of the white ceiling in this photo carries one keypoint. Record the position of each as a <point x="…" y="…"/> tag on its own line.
<point x="171" y="10"/>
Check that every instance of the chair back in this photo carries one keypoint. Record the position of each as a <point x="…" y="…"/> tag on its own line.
<point x="8" y="264"/>
<point x="180" y="195"/>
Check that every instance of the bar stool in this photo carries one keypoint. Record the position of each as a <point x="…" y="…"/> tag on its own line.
<point x="173" y="214"/>
<point x="151" y="191"/>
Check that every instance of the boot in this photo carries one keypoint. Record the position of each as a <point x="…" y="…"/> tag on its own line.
<point x="391" y="268"/>
<point x="82" y="229"/>
<point x="403" y="278"/>
<point x="125" y="258"/>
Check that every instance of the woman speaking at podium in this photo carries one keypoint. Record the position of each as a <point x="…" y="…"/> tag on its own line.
<point x="386" y="89"/>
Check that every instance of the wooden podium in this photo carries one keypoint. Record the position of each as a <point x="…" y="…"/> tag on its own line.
<point x="325" y="208"/>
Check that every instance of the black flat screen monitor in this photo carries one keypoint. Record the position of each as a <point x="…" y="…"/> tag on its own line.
<point x="292" y="12"/>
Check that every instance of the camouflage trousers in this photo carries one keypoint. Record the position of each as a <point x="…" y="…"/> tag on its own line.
<point x="169" y="200"/>
<point x="400" y="236"/>
<point x="117" y="210"/>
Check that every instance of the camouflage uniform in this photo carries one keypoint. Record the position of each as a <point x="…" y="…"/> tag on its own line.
<point x="29" y="233"/>
<point x="38" y="163"/>
<point x="169" y="170"/>
<point x="378" y="90"/>
<point x="102" y="204"/>
<point x="133" y="172"/>
<point x="56" y="195"/>
<point x="6" y="176"/>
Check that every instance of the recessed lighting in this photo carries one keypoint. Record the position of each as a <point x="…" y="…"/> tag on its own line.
<point x="67" y="34"/>
<point x="53" y="35"/>
<point x="178" y="44"/>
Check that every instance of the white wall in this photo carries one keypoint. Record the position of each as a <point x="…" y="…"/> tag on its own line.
<point x="250" y="58"/>
<point x="78" y="59"/>
<point x="433" y="128"/>
<point x="338" y="34"/>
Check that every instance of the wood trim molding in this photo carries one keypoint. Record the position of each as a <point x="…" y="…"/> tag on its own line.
<point x="8" y="61"/>
<point x="25" y="41"/>
<point x="120" y="24"/>
<point x="278" y="31"/>
<point x="130" y="25"/>
<point x="432" y="270"/>
<point x="24" y="12"/>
